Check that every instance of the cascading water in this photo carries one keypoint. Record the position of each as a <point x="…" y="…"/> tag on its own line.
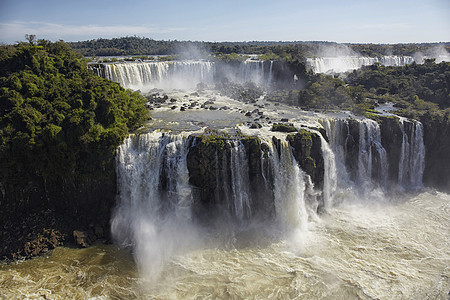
<point x="182" y="74"/>
<point x="289" y="189"/>
<point x="343" y="64"/>
<point x="171" y="74"/>
<point x="372" y="160"/>
<point x="253" y="70"/>
<point x="330" y="173"/>
<point x="369" y="140"/>
<point x="154" y="188"/>
<point x="369" y="169"/>
<point x="240" y="183"/>
<point x="412" y="155"/>
<point x="154" y="212"/>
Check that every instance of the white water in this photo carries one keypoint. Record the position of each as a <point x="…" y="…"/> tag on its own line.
<point x="372" y="163"/>
<point x="289" y="190"/>
<point x="181" y="74"/>
<point x="358" y="250"/>
<point x="165" y="75"/>
<point x="240" y="183"/>
<point x="330" y="177"/>
<point x="341" y="64"/>
<point x="412" y="155"/>
<point x="253" y="70"/>
<point x="154" y="221"/>
<point x="369" y="139"/>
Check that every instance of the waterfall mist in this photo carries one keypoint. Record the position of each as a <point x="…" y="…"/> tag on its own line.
<point x="155" y="222"/>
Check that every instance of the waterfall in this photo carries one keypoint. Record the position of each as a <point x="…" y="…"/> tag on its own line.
<point x="330" y="173"/>
<point x="343" y="64"/>
<point x="360" y="160"/>
<point x="153" y="186"/>
<point x="165" y="74"/>
<point x="369" y="140"/>
<point x="412" y="155"/>
<point x="289" y="189"/>
<point x="153" y="214"/>
<point x="252" y="70"/>
<point x="240" y="183"/>
<point x="181" y="74"/>
<point x="270" y="77"/>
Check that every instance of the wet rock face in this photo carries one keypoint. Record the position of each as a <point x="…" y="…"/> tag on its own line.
<point x="40" y="218"/>
<point x="391" y="139"/>
<point x="210" y="164"/>
<point x="308" y="153"/>
<point x="352" y="149"/>
<point x="437" y="152"/>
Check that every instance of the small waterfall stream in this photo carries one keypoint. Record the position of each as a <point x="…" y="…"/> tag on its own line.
<point x="412" y="155"/>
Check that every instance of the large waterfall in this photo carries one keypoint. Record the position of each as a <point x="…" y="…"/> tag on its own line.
<point x="153" y="184"/>
<point x="157" y="181"/>
<point x="167" y="74"/>
<point x="343" y="64"/>
<point x="362" y="159"/>
<point x="183" y="74"/>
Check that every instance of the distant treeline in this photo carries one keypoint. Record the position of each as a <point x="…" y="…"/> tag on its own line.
<point x="145" y="46"/>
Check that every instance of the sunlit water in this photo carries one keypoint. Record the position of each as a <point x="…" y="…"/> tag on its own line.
<point x="358" y="250"/>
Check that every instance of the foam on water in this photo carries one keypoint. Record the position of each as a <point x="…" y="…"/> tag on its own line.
<point x="357" y="250"/>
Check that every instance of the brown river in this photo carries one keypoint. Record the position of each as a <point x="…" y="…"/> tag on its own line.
<point x="356" y="251"/>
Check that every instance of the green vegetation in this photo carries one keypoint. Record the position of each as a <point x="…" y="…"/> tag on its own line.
<point x="422" y="87"/>
<point x="232" y="57"/>
<point x="284" y="127"/>
<point x="268" y="50"/>
<point x="59" y="121"/>
<point x="397" y="49"/>
<point x="415" y="90"/>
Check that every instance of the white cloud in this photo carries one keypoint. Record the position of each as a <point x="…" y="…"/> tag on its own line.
<point x="15" y="31"/>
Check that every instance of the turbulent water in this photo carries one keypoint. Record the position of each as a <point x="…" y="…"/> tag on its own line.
<point x="359" y="250"/>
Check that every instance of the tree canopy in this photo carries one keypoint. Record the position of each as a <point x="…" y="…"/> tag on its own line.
<point x="58" y="119"/>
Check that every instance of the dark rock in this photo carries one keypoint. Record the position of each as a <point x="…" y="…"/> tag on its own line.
<point x="81" y="238"/>
<point x="437" y="151"/>
<point x="391" y="140"/>
<point x="307" y="150"/>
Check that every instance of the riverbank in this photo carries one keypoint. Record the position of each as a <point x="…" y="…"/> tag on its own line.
<point x="34" y="233"/>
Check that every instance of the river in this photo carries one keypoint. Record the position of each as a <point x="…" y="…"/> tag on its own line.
<point x="392" y="249"/>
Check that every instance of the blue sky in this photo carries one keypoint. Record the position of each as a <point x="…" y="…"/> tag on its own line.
<point x="353" y="21"/>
